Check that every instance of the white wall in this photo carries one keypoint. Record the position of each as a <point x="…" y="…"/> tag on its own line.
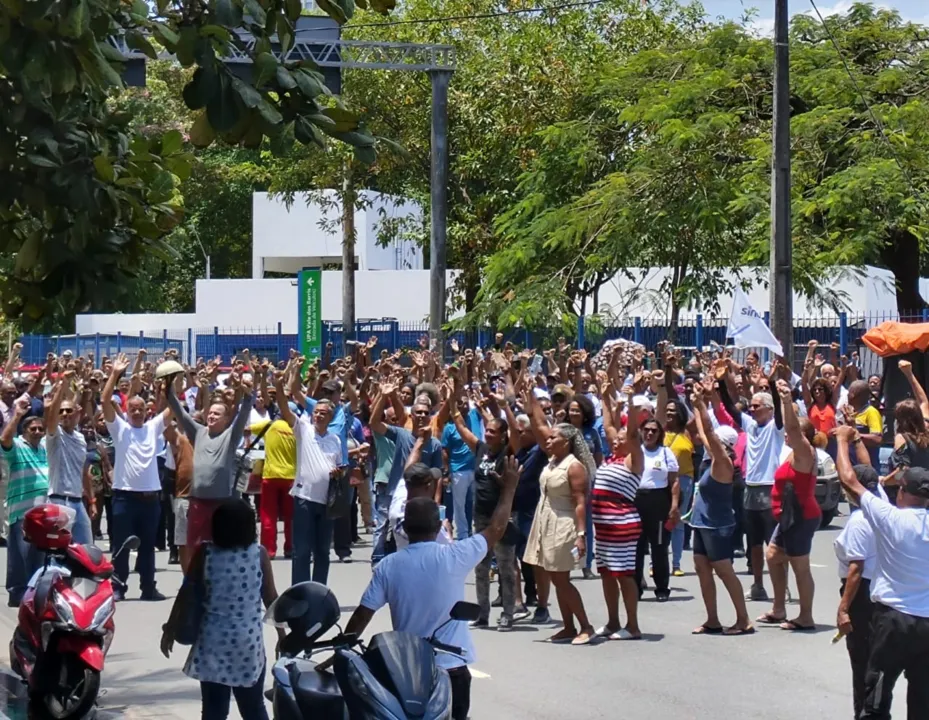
<point x="869" y="292"/>
<point x="256" y="306"/>
<point x="307" y="235"/>
<point x="132" y="324"/>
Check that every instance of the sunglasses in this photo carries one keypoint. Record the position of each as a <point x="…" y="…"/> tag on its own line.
<point x="649" y="430"/>
<point x="755" y="406"/>
<point x="65" y="411"/>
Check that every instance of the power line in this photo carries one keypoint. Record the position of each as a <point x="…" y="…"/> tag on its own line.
<point x="454" y="18"/>
<point x="874" y="118"/>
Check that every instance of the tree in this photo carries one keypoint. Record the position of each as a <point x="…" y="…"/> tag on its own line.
<point x="857" y="197"/>
<point x="644" y="180"/>
<point x="83" y="198"/>
<point x="515" y="74"/>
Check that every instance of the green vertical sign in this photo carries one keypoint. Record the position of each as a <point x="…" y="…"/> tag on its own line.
<point x="310" y="322"/>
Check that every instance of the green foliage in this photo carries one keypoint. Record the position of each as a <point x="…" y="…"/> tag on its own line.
<point x="665" y="162"/>
<point x="85" y="199"/>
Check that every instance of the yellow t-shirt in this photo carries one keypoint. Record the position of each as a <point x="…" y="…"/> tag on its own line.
<point x="280" y="449"/>
<point x="683" y="448"/>
<point x="870" y="418"/>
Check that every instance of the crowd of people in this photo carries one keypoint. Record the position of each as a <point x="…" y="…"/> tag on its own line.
<point x="521" y="466"/>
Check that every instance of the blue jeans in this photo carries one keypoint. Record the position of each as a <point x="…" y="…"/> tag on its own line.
<point x="81" y="532"/>
<point x="135" y="513"/>
<point x="22" y="560"/>
<point x="250" y="700"/>
<point x="677" y="534"/>
<point x="312" y="533"/>
<point x="381" y="506"/>
<point x="462" y="483"/>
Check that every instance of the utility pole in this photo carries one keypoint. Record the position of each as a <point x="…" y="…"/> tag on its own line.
<point x="348" y="257"/>
<point x="438" y="182"/>
<point x="781" y="281"/>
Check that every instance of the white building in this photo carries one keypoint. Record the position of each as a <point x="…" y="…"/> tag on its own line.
<point x="390" y="280"/>
<point x="309" y="233"/>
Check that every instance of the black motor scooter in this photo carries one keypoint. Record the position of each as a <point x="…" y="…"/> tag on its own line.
<point x="393" y="677"/>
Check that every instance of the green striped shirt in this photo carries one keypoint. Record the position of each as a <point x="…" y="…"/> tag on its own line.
<point x="28" y="471"/>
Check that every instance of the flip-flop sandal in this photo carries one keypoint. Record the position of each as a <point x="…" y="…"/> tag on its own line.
<point x="793" y="626"/>
<point x="733" y="631"/>
<point x="582" y="639"/>
<point x="563" y="640"/>
<point x="624" y="635"/>
<point x="708" y="630"/>
<point x="770" y="619"/>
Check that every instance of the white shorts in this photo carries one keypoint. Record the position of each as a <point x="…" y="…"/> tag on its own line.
<point x="180" y="521"/>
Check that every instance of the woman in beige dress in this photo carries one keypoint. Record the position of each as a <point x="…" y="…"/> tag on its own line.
<point x="557" y="538"/>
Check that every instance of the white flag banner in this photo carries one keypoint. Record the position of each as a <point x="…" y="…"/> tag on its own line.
<point x="747" y="327"/>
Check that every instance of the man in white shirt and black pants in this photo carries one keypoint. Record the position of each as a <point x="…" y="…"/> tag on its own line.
<point x="136" y="483"/>
<point x="900" y="591"/>
<point x="422" y="582"/>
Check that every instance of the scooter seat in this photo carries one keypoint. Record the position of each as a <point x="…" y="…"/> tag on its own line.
<point x="318" y="693"/>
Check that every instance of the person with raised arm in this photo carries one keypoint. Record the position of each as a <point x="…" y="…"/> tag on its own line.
<point x="899" y="642"/>
<point x="713" y="522"/>
<point x="26" y="459"/>
<point x="136" y="504"/>
<point x="557" y="539"/>
<point x="617" y="524"/>
<point x="489" y="458"/>
<point x="911" y="438"/>
<point x="422" y="582"/>
<point x="68" y="483"/>
<point x="215" y="445"/>
<point x="764" y="429"/>
<point x="319" y="459"/>
<point x="793" y="503"/>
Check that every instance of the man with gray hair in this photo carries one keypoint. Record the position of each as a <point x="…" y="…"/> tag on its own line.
<point x="764" y="428"/>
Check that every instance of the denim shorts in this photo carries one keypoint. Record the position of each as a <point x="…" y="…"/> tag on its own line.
<point x="798" y="541"/>
<point x="713" y="543"/>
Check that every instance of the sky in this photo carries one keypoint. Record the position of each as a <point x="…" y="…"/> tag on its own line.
<point x="915" y="10"/>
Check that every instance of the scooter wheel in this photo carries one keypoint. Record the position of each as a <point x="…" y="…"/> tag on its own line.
<point x="70" y="693"/>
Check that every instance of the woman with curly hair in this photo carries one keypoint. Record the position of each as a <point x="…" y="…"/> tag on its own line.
<point x="557" y="539"/>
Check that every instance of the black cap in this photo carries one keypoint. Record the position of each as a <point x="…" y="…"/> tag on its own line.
<point x="332" y="386"/>
<point x="868" y="477"/>
<point x="421" y="474"/>
<point x="916" y="482"/>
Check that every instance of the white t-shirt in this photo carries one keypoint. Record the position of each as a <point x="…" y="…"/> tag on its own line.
<point x="658" y="463"/>
<point x="190" y="397"/>
<point x="136" y="466"/>
<point x="762" y="450"/>
<point x="856" y="542"/>
<point x="843" y="399"/>
<point x="317" y="457"/>
<point x="421" y="584"/>
<point x="397" y="512"/>
<point x="901" y="579"/>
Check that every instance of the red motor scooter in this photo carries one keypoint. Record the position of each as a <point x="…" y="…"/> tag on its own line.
<point x="66" y="617"/>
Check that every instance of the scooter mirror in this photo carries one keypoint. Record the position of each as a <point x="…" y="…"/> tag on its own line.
<point x="133" y="542"/>
<point x="463" y="610"/>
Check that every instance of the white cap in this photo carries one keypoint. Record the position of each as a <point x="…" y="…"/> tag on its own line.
<point x="727" y="435"/>
<point x="642" y="401"/>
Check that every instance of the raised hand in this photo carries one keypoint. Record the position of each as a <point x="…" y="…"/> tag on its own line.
<point x="905" y="366"/>
<point x="121" y="364"/>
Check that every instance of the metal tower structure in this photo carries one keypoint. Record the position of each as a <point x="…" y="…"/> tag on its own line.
<point x="436" y="60"/>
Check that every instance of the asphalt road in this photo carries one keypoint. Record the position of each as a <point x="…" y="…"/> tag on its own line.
<point x="771" y="675"/>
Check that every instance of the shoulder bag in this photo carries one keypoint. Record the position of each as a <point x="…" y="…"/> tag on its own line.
<point x="244" y="464"/>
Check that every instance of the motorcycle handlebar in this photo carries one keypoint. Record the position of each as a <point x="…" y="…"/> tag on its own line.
<point x="453" y="649"/>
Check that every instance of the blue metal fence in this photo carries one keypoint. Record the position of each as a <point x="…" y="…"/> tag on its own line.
<point x="590" y="333"/>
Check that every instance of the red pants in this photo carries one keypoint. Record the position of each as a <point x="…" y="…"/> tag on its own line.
<point x="276" y="499"/>
<point x="200" y="521"/>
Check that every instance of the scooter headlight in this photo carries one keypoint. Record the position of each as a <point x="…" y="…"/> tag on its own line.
<point x="104" y="613"/>
<point x="65" y="613"/>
